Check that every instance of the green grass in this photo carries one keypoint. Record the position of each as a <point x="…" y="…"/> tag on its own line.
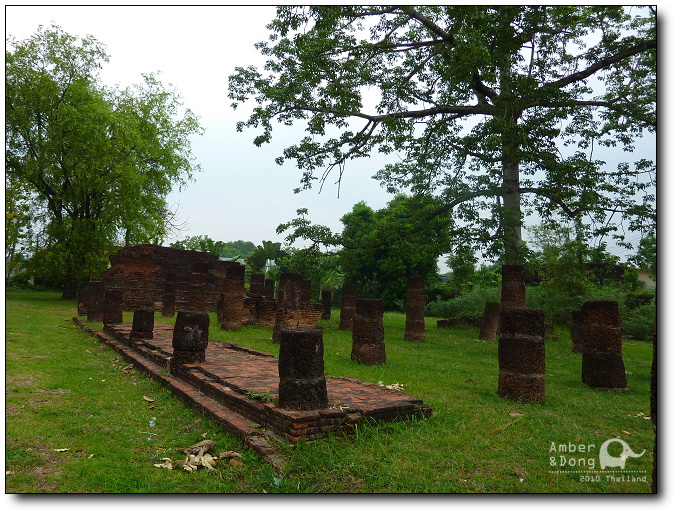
<point x="63" y="390"/>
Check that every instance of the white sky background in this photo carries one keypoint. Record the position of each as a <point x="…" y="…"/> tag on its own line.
<point x="241" y="192"/>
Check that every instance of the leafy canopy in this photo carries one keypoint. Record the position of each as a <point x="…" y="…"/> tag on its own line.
<point x="496" y="110"/>
<point x="96" y="164"/>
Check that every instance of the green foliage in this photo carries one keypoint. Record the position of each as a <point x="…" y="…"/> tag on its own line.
<point x="93" y="165"/>
<point x="494" y="109"/>
<point x="263" y="254"/>
<point x="646" y="256"/>
<point x="232" y="249"/>
<point x="468" y="304"/>
<point x="381" y="268"/>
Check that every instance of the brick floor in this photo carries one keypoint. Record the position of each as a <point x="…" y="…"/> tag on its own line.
<point x="237" y="387"/>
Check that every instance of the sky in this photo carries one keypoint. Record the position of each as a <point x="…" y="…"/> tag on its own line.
<point x="241" y="193"/>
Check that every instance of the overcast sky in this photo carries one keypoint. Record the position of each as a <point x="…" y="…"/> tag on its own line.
<point x="241" y="193"/>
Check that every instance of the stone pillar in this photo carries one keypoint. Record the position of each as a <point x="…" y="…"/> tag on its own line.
<point x="521" y="355"/>
<point x="190" y="338"/>
<point x="602" y="363"/>
<point x="576" y="332"/>
<point x="414" y="329"/>
<point x="257" y="284"/>
<point x="326" y="305"/>
<point x="288" y="284"/>
<point x="112" y="309"/>
<point x="489" y="322"/>
<point x="96" y="301"/>
<point x="301" y="370"/>
<point x="349" y="296"/>
<point x="269" y="285"/>
<point x="232" y="298"/>
<point x="168" y="302"/>
<point x="143" y="323"/>
<point x="368" y="336"/>
<point x="513" y="292"/>
<point x="197" y="294"/>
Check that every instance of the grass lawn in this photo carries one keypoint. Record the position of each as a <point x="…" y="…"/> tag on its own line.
<point x="77" y="419"/>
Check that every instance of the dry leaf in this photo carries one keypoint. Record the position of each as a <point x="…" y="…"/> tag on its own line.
<point x="514" y="413"/>
<point x="229" y="453"/>
<point x="207" y="445"/>
<point x="61" y="449"/>
<point x="626" y="432"/>
<point x="148" y="399"/>
<point x="236" y="462"/>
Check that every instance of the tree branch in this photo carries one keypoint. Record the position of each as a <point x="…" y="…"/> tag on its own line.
<point x="601" y="64"/>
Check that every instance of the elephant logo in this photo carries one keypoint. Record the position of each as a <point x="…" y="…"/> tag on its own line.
<point x="608" y="460"/>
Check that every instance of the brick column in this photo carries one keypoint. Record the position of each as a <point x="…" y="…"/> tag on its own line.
<point x="294" y="298"/>
<point x="143" y="323"/>
<point x="232" y="298"/>
<point x="96" y="301"/>
<point x="190" y="338"/>
<point x="112" y="308"/>
<point x="368" y="336"/>
<point x="489" y="322"/>
<point x="513" y="292"/>
<point x="602" y="363"/>
<point x="349" y="296"/>
<point x="301" y="370"/>
<point x="521" y="355"/>
<point x="197" y="293"/>
<point x="257" y="284"/>
<point x="414" y="329"/>
<point x="576" y="332"/>
<point x="168" y="302"/>
<point x="326" y="305"/>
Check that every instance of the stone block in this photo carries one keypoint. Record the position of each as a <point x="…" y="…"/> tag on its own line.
<point x="521" y="355"/>
<point x="302" y="383"/>
<point x="490" y="321"/>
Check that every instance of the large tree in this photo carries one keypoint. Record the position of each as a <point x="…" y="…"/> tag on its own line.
<point x="96" y="164"/>
<point x="495" y="109"/>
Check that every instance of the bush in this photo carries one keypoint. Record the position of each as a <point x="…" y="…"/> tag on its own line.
<point x="469" y="304"/>
<point x="639" y="322"/>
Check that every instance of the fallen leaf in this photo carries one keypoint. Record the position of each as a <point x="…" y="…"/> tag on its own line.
<point x="90" y="456"/>
<point x="514" y="413"/>
<point x="127" y="368"/>
<point x="626" y="432"/>
<point x="193" y="449"/>
<point x="236" y="462"/>
<point x="61" y="449"/>
<point x="148" y="399"/>
<point x="229" y="453"/>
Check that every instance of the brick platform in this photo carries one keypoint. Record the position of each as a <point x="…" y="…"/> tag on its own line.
<point x="238" y="388"/>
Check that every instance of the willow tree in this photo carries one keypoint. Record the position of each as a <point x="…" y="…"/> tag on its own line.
<point x="95" y="164"/>
<point x="494" y="109"/>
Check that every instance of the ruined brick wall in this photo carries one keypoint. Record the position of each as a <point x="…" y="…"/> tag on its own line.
<point x="168" y="278"/>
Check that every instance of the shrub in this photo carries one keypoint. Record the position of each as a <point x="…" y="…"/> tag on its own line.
<point x="469" y="304"/>
<point x="639" y="322"/>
